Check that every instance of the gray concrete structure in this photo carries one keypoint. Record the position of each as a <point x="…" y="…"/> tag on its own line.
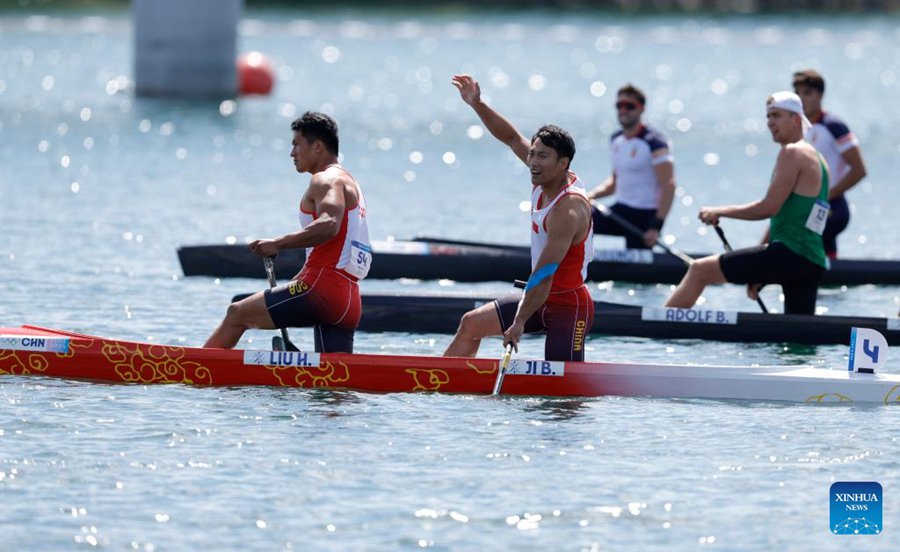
<point x="186" y="48"/>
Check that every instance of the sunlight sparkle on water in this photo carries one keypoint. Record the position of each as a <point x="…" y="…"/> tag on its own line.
<point x="227" y="108"/>
<point x="598" y="89"/>
<point x="331" y="54"/>
<point x="537" y="82"/>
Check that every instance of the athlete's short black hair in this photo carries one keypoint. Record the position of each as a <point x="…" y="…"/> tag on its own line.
<point x="318" y="126"/>
<point x="632" y="90"/>
<point x="810" y="78"/>
<point x="558" y="139"/>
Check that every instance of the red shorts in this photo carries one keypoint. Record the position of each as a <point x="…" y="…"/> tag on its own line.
<point x="323" y="298"/>
<point x="567" y="317"/>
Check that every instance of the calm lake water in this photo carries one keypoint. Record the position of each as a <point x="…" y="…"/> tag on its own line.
<point x="98" y="189"/>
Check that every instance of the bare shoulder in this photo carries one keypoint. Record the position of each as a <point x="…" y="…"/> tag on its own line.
<point x="571" y="212"/>
<point x="575" y="202"/>
<point x="799" y="154"/>
<point x="327" y="176"/>
<point x="328" y="179"/>
<point x="799" y="150"/>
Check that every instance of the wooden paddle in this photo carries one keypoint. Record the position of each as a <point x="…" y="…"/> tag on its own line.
<point x="637" y="232"/>
<point x="728" y="248"/>
<point x="283" y="342"/>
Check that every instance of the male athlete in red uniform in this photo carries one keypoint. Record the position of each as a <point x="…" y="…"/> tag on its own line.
<point x="335" y="233"/>
<point x="555" y="299"/>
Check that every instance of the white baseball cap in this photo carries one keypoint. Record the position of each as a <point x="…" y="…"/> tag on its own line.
<point x="789" y="101"/>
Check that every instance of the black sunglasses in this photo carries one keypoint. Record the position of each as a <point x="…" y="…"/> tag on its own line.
<point x="807" y="82"/>
<point x="630" y="106"/>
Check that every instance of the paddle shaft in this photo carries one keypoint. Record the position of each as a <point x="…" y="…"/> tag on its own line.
<point x="627" y="225"/>
<point x="728" y="248"/>
<point x="270" y="274"/>
<point x="501" y="371"/>
<point x="507" y="354"/>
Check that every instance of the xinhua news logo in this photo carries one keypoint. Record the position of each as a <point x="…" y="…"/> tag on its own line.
<point x="856" y="508"/>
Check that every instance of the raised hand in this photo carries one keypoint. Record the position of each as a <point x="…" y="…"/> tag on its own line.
<point x="468" y="88"/>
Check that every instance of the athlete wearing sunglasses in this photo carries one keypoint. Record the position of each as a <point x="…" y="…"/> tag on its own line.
<point x="642" y="179"/>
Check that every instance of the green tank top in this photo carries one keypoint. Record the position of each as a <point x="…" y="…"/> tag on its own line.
<point x="788" y="226"/>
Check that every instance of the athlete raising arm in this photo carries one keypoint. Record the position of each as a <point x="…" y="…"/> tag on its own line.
<point x="555" y="299"/>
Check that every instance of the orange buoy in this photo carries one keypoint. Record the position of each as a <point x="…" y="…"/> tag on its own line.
<point x="255" y="74"/>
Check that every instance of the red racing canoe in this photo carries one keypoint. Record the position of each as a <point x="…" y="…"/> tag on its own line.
<point x="35" y="351"/>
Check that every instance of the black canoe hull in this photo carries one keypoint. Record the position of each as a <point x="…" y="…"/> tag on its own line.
<point x="440" y="313"/>
<point x="434" y="259"/>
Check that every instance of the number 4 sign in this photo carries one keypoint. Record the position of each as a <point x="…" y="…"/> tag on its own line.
<point x="868" y="350"/>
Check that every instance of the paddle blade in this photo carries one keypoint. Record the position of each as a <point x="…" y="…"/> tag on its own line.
<point x="290" y="346"/>
<point x="277" y="343"/>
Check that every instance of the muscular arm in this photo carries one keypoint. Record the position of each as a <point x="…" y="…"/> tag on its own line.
<point x="784" y="178"/>
<point x="327" y="194"/>
<point x="497" y="125"/>
<point x="854" y="159"/>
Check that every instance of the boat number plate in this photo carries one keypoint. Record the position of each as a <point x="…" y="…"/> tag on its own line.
<point x="402" y="247"/>
<point x="633" y="256"/>
<point x="282" y="358"/>
<point x="693" y="316"/>
<point x="536" y="368"/>
<point x="34" y="343"/>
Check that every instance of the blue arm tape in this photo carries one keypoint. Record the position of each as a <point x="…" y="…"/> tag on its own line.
<point x="540" y="275"/>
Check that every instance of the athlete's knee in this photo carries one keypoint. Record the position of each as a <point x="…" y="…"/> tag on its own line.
<point x="466" y="323"/>
<point x="704" y="271"/>
<point x="470" y="325"/>
<point x="235" y="314"/>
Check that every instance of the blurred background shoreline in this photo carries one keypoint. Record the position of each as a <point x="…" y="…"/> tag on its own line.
<point x="684" y="7"/>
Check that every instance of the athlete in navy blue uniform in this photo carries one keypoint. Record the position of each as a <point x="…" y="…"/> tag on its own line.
<point x="840" y="148"/>
<point x="642" y="176"/>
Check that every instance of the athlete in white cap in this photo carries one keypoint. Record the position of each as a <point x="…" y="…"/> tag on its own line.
<point x="840" y="148"/>
<point x="792" y="253"/>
